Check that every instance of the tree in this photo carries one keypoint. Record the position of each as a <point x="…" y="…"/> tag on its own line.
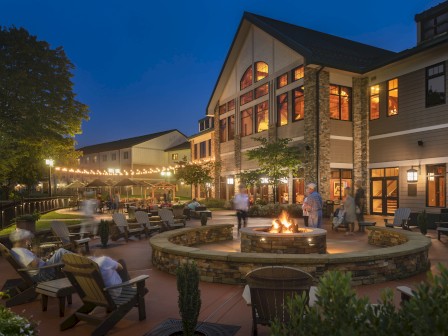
<point x="251" y="178"/>
<point x="39" y="115"/>
<point x="197" y="173"/>
<point x="276" y="159"/>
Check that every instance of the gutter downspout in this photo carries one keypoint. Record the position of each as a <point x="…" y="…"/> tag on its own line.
<point x="318" y="126"/>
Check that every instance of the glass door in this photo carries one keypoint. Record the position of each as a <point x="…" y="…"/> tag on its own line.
<point x="384" y="191"/>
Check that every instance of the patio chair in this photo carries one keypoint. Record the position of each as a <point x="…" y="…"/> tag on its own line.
<point x="270" y="287"/>
<point x="85" y="275"/>
<point x="68" y="239"/>
<point x="168" y="220"/>
<point x="142" y="218"/>
<point x="24" y="289"/>
<point x="125" y="229"/>
<point x="401" y="219"/>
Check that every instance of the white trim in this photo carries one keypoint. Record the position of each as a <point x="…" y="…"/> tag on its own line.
<point x="225" y="154"/>
<point x="299" y="138"/>
<point x="341" y="165"/>
<point x="410" y="131"/>
<point x="248" y="149"/>
<point x="338" y="137"/>
<point x="407" y="163"/>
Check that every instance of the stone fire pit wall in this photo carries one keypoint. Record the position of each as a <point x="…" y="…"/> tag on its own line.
<point x="406" y="254"/>
<point x="259" y="241"/>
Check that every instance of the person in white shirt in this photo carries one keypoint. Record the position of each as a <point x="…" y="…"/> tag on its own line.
<point x="241" y="204"/>
<point x="110" y="269"/>
<point x="21" y="239"/>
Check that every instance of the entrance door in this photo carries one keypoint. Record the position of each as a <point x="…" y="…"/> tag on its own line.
<point x="384" y="191"/>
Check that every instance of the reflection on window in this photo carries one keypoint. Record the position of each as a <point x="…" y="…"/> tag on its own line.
<point x="392" y="97"/>
<point x="174" y="156"/>
<point x="104" y="157"/>
<point x="114" y="157"/>
<point x="282" y="109"/>
<point x="297" y="73"/>
<point x="203" y="149"/>
<point x="340" y="179"/>
<point x="298" y="104"/>
<point x="262" y="121"/>
<point x="246" y="98"/>
<point x="223" y="130"/>
<point x="436" y="176"/>
<point x="434" y="26"/>
<point x="231" y="105"/>
<point x="231" y="123"/>
<point x="261" y="90"/>
<point x="435" y="85"/>
<point x="247" y="122"/>
<point x="340" y="102"/>
<point x="282" y="81"/>
<point x="246" y="80"/>
<point x="261" y="71"/>
<point x="374" y="102"/>
<point x="222" y="109"/>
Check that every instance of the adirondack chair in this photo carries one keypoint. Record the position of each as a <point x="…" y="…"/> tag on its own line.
<point x="401" y="219"/>
<point x="85" y="275"/>
<point x="125" y="229"/>
<point x="168" y="220"/>
<point x="270" y="286"/>
<point x="142" y="218"/>
<point x="25" y="290"/>
<point x="68" y="239"/>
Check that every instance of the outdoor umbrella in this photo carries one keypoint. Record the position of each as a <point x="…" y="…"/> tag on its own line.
<point x="126" y="183"/>
<point x="75" y="185"/>
<point x="97" y="183"/>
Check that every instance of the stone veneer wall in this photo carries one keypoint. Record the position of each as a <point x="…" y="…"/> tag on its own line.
<point x="367" y="267"/>
<point x="216" y="153"/>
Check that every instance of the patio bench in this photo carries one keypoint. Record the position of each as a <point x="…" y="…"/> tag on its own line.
<point x="362" y="225"/>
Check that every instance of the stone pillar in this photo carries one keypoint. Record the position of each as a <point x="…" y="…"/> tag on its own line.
<point x="361" y="135"/>
<point x="324" y="173"/>
<point x="310" y="138"/>
<point x="216" y="153"/>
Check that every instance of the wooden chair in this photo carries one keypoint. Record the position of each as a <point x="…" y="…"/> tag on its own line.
<point x="25" y="290"/>
<point x="142" y="218"/>
<point x="168" y="220"/>
<point x="85" y="276"/>
<point x="125" y="229"/>
<point x="400" y="220"/>
<point x="270" y="286"/>
<point x="68" y="239"/>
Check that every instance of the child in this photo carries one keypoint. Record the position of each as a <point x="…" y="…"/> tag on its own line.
<point x="338" y="217"/>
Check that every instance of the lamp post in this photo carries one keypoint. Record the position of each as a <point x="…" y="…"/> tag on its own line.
<point x="49" y="163"/>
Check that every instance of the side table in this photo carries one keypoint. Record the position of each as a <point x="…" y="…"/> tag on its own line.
<point x="59" y="288"/>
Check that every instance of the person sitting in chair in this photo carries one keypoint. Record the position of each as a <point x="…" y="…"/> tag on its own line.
<point x="193" y="204"/>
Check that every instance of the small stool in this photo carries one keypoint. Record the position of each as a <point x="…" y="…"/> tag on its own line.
<point x="59" y="288"/>
<point x="362" y="225"/>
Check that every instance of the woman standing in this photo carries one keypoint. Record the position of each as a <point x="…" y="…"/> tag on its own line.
<point x="350" y="210"/>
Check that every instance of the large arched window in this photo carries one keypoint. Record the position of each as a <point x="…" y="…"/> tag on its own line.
<point x="261" y="71"/>
<point x="247" y="78"/>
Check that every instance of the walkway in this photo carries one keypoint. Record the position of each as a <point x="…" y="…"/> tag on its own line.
<point x="220" y="303"/>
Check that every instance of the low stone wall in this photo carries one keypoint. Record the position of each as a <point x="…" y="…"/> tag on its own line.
<point x="367" y="267"/>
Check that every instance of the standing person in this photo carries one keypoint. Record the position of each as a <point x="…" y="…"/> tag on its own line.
<point x="314" y="206"/>
<point x="305" y="212"/>
<point x="360" y="201"/>
<point x="116" y="201"/>
<point x="241" y="203"/>
<point x="350" y="211"/>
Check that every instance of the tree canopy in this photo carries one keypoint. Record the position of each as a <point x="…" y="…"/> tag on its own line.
<point x="197" y="173"/>
<point x="39" y="113"/>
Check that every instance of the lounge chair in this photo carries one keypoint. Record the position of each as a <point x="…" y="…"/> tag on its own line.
<point x="125" y="229"/>
<point x="142" y="218"/>
<point x="168" y="220"/>
<point x="270" y="287"/>
<point x="401" y="219"/>
<point x="68" y="239"/>
<point x="85" y="276"/>
<point x="25" y="290"/>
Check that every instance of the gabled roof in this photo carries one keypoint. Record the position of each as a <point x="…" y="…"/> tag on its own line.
<point x="124" y="143"/>
<point x="316" y="47"/>
<point x="183" y="145"/>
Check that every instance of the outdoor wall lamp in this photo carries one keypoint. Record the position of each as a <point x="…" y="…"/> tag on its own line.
<point x="412" y="175"/>
<point x="230" y="180"/>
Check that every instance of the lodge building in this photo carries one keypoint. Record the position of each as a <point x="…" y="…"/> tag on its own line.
<point x="354" y="111"/>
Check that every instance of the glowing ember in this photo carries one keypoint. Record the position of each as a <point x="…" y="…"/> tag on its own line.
<point x="283" y="224"/>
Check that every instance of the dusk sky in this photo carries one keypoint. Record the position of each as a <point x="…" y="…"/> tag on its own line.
<point x="147" y="66"/>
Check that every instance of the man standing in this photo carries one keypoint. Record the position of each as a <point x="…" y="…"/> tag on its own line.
<point x="360" y="201"/>
<point x="313" y="205"/>
<point x="241" y="203"/>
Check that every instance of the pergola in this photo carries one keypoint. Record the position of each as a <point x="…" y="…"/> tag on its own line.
<point x="165" y="186"/>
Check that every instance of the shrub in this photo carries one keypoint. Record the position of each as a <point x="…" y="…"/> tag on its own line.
<point x="294" y="210"/>
<point x="422" y="221"/>
<point x="28" y="217"/>
<point x="189" y="296"/>
<point x="214" y="203"/>
<point x="12" y="324"/>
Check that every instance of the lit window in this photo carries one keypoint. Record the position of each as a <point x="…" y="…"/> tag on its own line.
<point x="261" y="71"/>
<point x="282" y="81"/>
<point x="174" y="156"/>
<point x="231" y="105"/>
<point x="282" y="109"/>
<point x="247" y="78"/>
<point x="223" y="130"/>
<point x="95" y="158"/>
<point x="262" y="121"/>
<point x="435" y="85"/>
<point x="392" y="97"/>
<point x="299" y="104"/>
<point x="261" y="90"/>
<point x="298" y="73"/>
<point x="340" y="102"/>
<point x="435" y="185"/>
<point x="247" y="122"/>
<point x="374" y="102"/>
<point x="222" y="109"/>
<point x="231" y="123"/>
<point x="246" y="98"/>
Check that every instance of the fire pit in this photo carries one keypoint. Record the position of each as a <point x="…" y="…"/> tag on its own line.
<point x="284" y="236"/>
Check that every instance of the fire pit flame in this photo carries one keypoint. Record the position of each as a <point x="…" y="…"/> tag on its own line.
<point x="283" y="224"/>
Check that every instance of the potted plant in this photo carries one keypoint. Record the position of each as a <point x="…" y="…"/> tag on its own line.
<point x="422" y="222"/>
<point x="103" y="231"/>
<point x="178" y="210"/>
<point x="27" y="221"/>
<point x="204" y="219"/>
<point x="13" y="324"/>
<point x="189" y="296"/>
